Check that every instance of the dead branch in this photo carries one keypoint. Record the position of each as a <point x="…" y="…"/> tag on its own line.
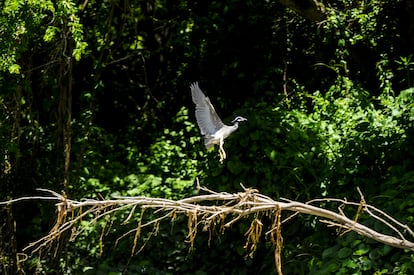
<point x="218" y="209"/>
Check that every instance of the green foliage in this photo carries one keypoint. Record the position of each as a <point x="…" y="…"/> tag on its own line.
<point x="166" y="170"/>
<point x="361" y="139"/>
<point x="356" y="22"/>
<point x="326" y="146"/>
<point x="407" y="65"/>
<point x="21" y="22"/>
<point x="18" y="21"/>
<point x="358" y="40"/>
<point x="353" y="255"/>
<point x="130" y="171"/>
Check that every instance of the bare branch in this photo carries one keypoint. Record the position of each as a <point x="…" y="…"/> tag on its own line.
<point x="212" y="209"/>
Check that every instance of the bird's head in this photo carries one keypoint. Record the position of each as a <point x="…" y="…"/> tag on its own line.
<point x="239" y="119"/>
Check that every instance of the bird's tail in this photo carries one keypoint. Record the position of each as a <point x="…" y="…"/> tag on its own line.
<point x="208" y="141"/>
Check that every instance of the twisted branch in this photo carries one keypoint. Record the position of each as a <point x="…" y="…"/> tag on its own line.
<point x="226" y="210"/>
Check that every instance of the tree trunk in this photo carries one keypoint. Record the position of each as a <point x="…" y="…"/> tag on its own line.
<point x="309" y="9"/>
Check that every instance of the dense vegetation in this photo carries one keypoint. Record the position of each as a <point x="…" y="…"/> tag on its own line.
<point x="95" y="102"/>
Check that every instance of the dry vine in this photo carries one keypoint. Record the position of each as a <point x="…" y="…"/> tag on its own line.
<point x="204" y="211"/>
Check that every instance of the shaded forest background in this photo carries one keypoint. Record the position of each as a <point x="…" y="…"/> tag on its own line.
<point x="95" y="102"/>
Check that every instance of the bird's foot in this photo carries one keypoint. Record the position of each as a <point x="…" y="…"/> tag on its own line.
<point x="222" y="155"/>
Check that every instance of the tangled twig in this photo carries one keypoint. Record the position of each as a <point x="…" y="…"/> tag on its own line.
<point x="212" y="209"/>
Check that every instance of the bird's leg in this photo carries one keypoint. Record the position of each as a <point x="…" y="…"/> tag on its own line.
<point x="221" y="156"/>
<point x="221" y="151"/>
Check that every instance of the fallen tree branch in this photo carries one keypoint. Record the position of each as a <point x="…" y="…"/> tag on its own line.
<point x="213" y="209"/>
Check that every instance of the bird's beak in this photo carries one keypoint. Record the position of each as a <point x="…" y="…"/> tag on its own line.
<point x="239" y="119"/>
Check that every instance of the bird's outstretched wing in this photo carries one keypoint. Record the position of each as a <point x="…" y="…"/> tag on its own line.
<point x="207" y="119"/>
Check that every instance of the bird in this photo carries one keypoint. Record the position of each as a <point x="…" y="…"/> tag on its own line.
<point x="210" y="124"/>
